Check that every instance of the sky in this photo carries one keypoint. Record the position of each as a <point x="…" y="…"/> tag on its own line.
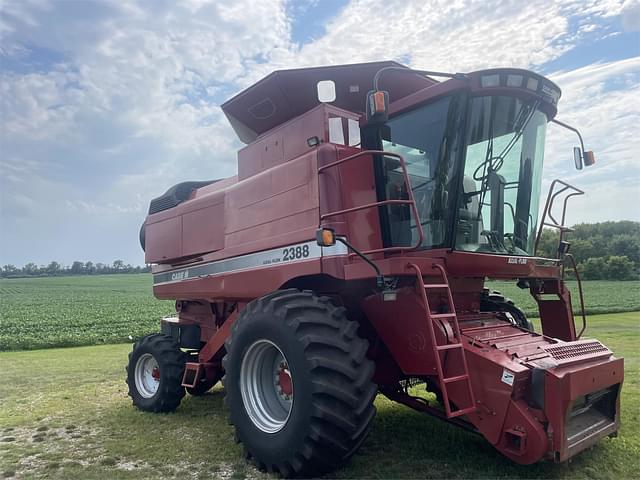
<point x="104" y="105"/>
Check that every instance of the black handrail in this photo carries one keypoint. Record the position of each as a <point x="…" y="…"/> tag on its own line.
<point x="410" y="201"/>
<point x="551" y="197"/>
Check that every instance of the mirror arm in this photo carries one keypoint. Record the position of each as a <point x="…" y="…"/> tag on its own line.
<point x="569" y="127"/>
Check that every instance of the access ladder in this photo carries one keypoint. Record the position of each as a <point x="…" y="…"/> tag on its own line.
<point x="454" y="345"/>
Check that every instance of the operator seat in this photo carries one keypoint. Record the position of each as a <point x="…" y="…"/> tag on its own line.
<point x="469" y="222"/>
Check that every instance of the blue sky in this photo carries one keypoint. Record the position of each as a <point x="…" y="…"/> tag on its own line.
<point x="104" y="105"/>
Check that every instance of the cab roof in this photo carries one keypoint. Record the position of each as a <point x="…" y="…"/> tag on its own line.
<point x="286" y="94"/>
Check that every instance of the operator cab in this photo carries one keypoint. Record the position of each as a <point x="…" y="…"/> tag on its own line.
<point x="474" y="155"/>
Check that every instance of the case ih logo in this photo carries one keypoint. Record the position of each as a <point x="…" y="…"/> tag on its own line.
<point x="180" y="275"/>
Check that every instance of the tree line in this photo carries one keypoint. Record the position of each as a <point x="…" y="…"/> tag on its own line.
<point x="76" y="268"/>
<point x="603" y="251"/>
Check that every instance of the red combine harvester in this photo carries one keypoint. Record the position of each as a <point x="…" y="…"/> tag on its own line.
<point x="348" y="257"/>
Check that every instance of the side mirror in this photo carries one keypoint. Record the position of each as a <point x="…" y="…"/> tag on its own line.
<point x="577" y="157"/>
<point x="581" y="158"/>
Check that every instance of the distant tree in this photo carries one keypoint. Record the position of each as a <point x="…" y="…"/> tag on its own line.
<point x="626" y="245"/>
<point x="89" y="268"/>
<point x="593" y="269"/>
<point x="620" y="268"/>
<point x="77" y="268"/>
<point x="118" y="265"/>
<point x="548" y="244"/>
<point x="9" y="270"/>
<point x="30" y="269"/>
<point x="582" y="249"/>
<point x="53" y="268"/>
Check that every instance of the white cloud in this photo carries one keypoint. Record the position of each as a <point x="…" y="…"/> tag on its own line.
<point x="630" y="15"/>
<point x="448" y="36"/>
<point x="603" y="101"/>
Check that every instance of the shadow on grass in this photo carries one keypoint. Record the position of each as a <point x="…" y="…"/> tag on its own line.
<point x="402" y="444"/>
<point x="408" y="444"/>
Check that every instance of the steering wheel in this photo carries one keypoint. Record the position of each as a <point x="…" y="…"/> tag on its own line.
<point x="492" y="166"/>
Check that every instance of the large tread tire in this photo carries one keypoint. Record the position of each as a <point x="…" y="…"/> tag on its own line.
<point x="332" y="408"/>
<point x="493" y="301"/>
<point x="171" y="361"/>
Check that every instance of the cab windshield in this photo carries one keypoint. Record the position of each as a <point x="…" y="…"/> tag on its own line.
<point x="493" y="208"/>
<point x="498" y="205"/>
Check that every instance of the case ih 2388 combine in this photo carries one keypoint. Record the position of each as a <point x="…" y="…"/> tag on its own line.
<point x="348" y="257"/>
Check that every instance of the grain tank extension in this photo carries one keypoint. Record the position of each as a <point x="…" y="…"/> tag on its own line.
<point x="348" y="257"/>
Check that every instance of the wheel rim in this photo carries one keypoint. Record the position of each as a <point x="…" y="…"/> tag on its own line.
<point x="266" y="386"/>
<point x="147" y="375"/>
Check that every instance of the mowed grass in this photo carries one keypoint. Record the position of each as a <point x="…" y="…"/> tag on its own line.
<point x="65" y="414"/>
<point x="94" y="310"/>
<point x="77" y="310"/>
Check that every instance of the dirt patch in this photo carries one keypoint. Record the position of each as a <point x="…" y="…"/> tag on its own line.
<point x="48" y="447"/>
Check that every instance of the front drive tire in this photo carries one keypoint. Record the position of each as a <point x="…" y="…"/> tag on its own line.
<point x="154" y="373"/>
<point x="298" y="383"/>
<point x="492" y="301"/>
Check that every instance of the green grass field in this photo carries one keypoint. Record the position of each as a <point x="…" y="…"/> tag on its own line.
<point x="65" y="414"/>
<point x="93" y="310"/>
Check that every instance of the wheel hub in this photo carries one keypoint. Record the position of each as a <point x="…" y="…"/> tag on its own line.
<point x="266" y="386"/>
<point x="147" y="375"/>
<point x="283" y="381"/>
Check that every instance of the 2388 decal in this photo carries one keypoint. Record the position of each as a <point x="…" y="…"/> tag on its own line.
<point x="295" y="253"/>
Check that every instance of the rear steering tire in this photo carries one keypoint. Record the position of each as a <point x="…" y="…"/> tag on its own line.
<point x="298" y="383"/>
<point x="154" y="373"/>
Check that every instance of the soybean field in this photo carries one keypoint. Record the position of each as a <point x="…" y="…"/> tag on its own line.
<point x="93" y="310"/>
<point x="77" y="310"/>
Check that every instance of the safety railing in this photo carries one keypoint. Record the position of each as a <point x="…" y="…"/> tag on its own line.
<point x="563" y="229"/>
<point x="409" y="201"/>
<point x="548" y="209"/>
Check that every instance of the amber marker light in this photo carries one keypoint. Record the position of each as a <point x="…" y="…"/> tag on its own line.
<point x="326" y="237"/>
<point x="589" y="158"/>
<point x="379" y="103"/>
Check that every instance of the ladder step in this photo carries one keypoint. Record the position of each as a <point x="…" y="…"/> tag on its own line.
<point x="457" y="378"/>
<point x="443" y="315"/>
<point x="192" y="374"/>
<point x="436" y="285"/>
<point x="443" y="285"/>
<point x="464" y="411"/>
